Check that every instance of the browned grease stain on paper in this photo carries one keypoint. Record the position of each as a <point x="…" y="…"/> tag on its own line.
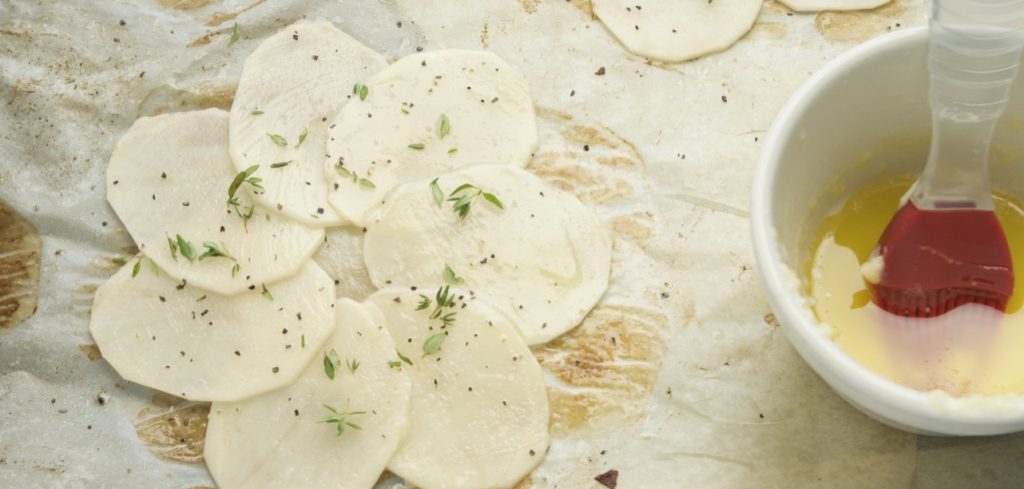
<point x="92" y="352"/>
<point x="768" y="30"/>
<point x="608" y="365"/>
<point x="20" y="251"/>
<point x="221" y="17"/>
<point x="177" y="435"/>
<point x="858" y="25"/>
<point x="529" y="6"/>
<point x="584" y="6"/>
<point x="165" y="98"/>
<point x="185" y="4"/>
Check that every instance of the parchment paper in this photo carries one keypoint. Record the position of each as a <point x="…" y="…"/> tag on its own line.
<point x="699" y="387"/>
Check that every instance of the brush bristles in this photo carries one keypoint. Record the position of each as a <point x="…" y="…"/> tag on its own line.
<point x="931" y="303"/>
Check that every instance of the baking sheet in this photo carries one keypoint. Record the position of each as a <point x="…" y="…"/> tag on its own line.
<point x="703" y="391"/>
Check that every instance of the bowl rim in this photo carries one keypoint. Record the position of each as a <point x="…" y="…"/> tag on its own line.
<point x="791" y="306"/>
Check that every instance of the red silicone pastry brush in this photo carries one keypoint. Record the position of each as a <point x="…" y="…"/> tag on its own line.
<point x="945" y="247"/>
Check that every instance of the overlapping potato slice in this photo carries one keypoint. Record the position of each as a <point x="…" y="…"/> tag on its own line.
<point x="161" y="333"/>
<point x="291" y="87"/>
<point x="341" y="256"/>
<point x="427" y="114"/>
<point x="818" y="5"/>
<point x="169" y="176"/>
<point x="677" y="30"/>
<point x="479" y="413"/>
<point x="542" y="257"/>
<point x="281" y="439"/>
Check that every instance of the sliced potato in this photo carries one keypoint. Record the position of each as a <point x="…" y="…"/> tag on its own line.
<point x="427" y="114"/>
<point x="169" y="176"/>
<point x="818" y="5"/>
<point x="279" y="440"/>
<point x="543" y="259"/>
<point x="291" y="87"/>
<point x="677" y="30"/>
<point x="479" y="413"/>
<point x="158" y="332"/>
<point x="341" y="256"/>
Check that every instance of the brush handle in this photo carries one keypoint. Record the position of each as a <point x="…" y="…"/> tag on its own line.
<point x="974" y="51"/>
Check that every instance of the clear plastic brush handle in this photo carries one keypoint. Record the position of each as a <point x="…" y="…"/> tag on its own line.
<point x="974" y="50"/>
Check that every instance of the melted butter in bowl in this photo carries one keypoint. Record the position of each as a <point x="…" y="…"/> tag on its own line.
<point x="970" y="350"/>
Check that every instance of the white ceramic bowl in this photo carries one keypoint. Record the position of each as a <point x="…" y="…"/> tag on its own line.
<point x="862" y="118"/>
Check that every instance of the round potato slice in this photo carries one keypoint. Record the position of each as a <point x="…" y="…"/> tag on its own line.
<point x="291" y="86"/>
<point x="479" y="413"/>
<point x="541" y="257"/>
<point x="677" y="30"/>
<point x="818" y="5"/>
<point x="341" y="256"/>
<point x="161" y="333"/>
<point x="427" y="114"/>
<point x="318" y="433"/>
<point x="169" y="176"/>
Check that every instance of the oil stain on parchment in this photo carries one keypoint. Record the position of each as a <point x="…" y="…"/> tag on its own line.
<point x="185" y="4"/>
<point x="605" y="368"/>
<point x="859" y="25"/>
<point x="165" y="98"/>
<point x="177" y="435"/>
<point x="92" y="352"/>
<point x="20" y="251"/>
<point x="603" y="169"/>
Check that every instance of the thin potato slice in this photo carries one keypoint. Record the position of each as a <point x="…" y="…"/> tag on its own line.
<point x="479" y="413"/>
<point x="278" y="440"/>
<point x="291" y="87"/>
<point x="427" y="114"/>
<point x="544" y="258"/>
<point x="677" y="30"/>
<point x="202" y="346"/>
<point x="169" y="176"/>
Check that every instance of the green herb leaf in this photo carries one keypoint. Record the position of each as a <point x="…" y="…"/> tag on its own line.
<point x="203" y="298"/>
<point x="452" y="151"/>
<point x="435" y="189"/>
<point x="120" y="260"/>
<point x="451" y="278"/>
<point x="433" y="344"/>
<point x="281" y="164"/>
<point x="257" y="112"/>
<point x="174" y="248"/>
<point x="212" y="250"/>
<point x="278" y="139"/>
<point x="460" y="188"/>
<point x="366" y="183"/>
<point x="236" y="32"/>
<point x="135" y="269"/>
<point x="302" y="136"/>
<point x="340" y="418"/>
<point x="417" y="146"/>
<point x="403" y="358"/>
<point x="266" y="293"/>
<point x="352" y="365"/>
<point x="186" y="249"/>
<point x="235" y="269"/>
<point x="343" y="171"/>
<point x="240" y="178"/>
<point x="361" y="90"/>
<point x="424" y="303"/>
<point x="62" y="411"/>
<point x="303" y="341"/>
<point x="331" y="361"/>
<point x="394" y="364"/>
<point x="489" y="197"/>
<point x="444" y="126"/>
<point x="406" y="112"/>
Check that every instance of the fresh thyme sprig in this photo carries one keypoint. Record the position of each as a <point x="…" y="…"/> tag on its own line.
<point x="450" y="276"/>
<point x="331" y="362"/>
<point x="340" y="418"/>
<point x="463" y="195"/>
<point x="356" y="179"/>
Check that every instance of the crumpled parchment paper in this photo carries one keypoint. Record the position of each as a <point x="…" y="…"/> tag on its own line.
<point x="681" y="377"/>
